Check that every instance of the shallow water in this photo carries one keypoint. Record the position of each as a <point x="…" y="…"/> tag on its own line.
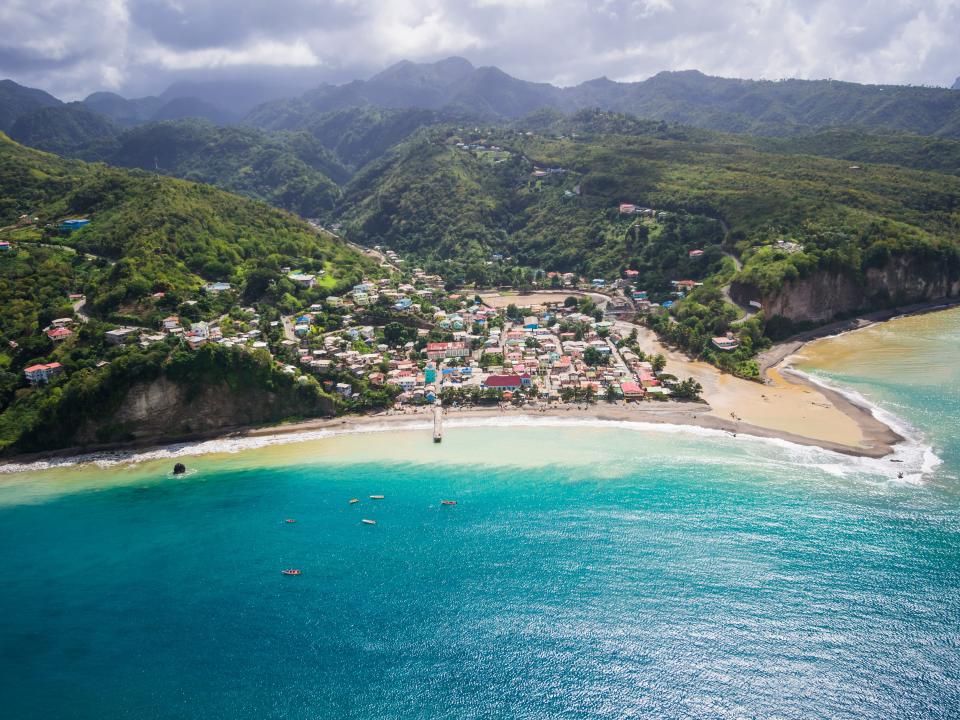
<point x="586" y="571"/>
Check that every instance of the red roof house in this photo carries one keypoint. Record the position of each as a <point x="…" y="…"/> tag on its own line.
<point x="507" y="382"/>
<point x="60" y="333"/>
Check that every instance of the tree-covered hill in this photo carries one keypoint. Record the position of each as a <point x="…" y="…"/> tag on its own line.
<point x="160" y="234"/>
<point x="69" y="129"/>
<point x="292" y="171"/>
<point x="432" y="197"/>
<point x="688" y="97"/>
<point x="17" y="100"/>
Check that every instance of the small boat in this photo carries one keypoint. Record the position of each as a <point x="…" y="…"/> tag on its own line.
<point x="354" y="501"/>
<point x="289" y="520"/>
<point x="368" y="522"/>
<point x="290" y="572"/>
<point x="376" y="497"/>
<point x="448" y="502"/>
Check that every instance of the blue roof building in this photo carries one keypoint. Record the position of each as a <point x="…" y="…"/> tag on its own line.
<point x="73" y="224"/>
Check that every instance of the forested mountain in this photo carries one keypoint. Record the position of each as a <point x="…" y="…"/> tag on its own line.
<point x="914" y="151"/>
<point x="688" y="97"/>
<point x="160" y="234"/>
<point x="292" y="171"/>
<point x="65" y="129"/>
<point x="124" y="111"/>
<point x="17" y="101"/>
<point x="356" y="135"/>
<point x="439" y="199"/>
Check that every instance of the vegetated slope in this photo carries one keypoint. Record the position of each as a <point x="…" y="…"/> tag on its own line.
<point x="134" y="111"/>
<point x="356" y="135"/>
<point x="65" y="130"/>
<point x="157" y="394"/>
<point x="17" y="100"/>
<point x="688" y="97"/>
<point x="162" y="234"/>
<point x="122" y="110"/>
<point x="914" y="151"/>
<point x="431" y="197"/>
<point x="290" y="171"/>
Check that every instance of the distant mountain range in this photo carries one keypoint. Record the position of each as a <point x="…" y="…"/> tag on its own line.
<point x="688" y="97"/>
<point x="457" y="89"/>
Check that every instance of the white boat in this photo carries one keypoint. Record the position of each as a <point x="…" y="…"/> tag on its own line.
<point x="368" y="522"/>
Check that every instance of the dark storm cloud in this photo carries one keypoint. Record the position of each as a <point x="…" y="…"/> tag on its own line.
<point x="140" y="46"/>
<point x="214" y="23"/>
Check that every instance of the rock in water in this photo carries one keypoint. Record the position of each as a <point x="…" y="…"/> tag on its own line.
<point x="179" y="469"/>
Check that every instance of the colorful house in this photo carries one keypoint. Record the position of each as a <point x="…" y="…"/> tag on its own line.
<point x="37" y="374"/>
<point x="726" y="344"/>
<point x="73" y="224"/>
<point x="439" y="350"/>
<point x="508" y="382"/>
<point x="631" y="391"/>
<point x="59" y="334"/>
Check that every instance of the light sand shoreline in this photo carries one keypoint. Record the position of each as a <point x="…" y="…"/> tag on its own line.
<point x="788" y="406"/>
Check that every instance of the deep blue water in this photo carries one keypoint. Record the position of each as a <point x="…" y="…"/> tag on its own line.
<point x="544" y="593"/>
<point x="665" y="576"/>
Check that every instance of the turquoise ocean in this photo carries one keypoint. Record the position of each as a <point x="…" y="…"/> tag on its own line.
<point x="586" y="571"/>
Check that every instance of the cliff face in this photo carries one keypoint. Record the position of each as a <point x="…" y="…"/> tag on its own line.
<point x="165" y="410"/>
<point x="822" y="295"/>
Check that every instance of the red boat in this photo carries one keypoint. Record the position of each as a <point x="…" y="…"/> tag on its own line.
<point x="290" y="520"/>
<point x="448" y="502"/>
<point x="290" y="572"/>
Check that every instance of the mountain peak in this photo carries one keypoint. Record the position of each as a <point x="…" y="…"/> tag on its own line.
<point x="956" y="85"/>
<point x="448" y="70"/>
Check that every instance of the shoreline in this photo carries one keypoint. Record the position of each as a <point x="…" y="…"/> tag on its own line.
<point x="690" y="415"/>
<point x="877" y="439"/>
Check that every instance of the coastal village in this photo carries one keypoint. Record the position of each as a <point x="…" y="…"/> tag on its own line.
<point x="402" y="340"/>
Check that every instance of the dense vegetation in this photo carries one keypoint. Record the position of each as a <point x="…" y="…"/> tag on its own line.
<point x="17" y="100"/>
<point x="51" y="417"/>
<point x="160" y="234"/>
<point x="292" y="171"/>
<point x="430" y="197"/>
<point x="688" y="97"/>
<point x="71" y="129"/>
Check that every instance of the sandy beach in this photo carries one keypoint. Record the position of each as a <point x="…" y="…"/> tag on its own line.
<point x="787" y="405"/>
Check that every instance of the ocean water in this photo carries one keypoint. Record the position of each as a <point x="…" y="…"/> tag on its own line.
<point x="587" y="571"/>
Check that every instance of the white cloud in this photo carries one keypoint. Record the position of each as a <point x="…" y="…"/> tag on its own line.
<point x="72" y="47"/>
<point x="264" y="52"/>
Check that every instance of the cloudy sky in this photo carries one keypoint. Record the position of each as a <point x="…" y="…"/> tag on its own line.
<point x="72" y="48"/>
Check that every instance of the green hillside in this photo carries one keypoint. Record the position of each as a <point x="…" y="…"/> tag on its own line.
<point x="160" y="234"/>
<point x="431" y="197"/>
<point x="292" y="171"/>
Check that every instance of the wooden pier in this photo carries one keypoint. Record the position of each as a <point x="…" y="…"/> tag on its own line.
<point x="437" y="423"/>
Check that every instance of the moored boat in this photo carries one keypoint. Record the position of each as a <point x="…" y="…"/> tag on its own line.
<point x="368" y="522"/>
<point x="291" y="571"/>
<point x="376" y="497"/>
<point x="448" y="502"/>
<point x="354" y="501"/>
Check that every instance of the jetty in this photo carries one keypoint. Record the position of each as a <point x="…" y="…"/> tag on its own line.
<point x="437" y="423"/>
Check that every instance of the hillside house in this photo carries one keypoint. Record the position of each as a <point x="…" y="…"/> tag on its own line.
<point x="59" y="334"/>
<point x="42" y="373"/>
<point x="122" y="335"/>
